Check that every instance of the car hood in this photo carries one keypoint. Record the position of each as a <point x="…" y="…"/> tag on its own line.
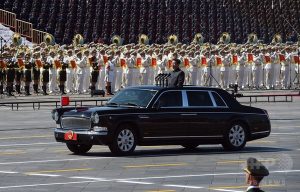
<point x="88" y="111"/>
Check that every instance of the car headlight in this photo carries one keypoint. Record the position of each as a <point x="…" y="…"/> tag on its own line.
<point x="95" y="118"/>
<point x="56" y="116"/>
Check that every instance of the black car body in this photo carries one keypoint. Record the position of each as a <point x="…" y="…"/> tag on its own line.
<point x="153" y="115"/>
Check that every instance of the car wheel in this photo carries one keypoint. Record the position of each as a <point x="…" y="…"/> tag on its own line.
<point x="236" y="137"/>
<point x="190" y="146"/>
<point x="124" y="141"/>
<point x="78" y="148"/>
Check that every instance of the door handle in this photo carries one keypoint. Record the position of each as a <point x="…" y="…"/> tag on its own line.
<point x="143" y="116"/>
<point x="188" y="114"/>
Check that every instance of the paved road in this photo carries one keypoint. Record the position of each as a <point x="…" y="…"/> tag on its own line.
<point x="30" y="159"/>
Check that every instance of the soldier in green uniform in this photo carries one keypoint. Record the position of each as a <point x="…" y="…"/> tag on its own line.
<point x="255" y="172"/>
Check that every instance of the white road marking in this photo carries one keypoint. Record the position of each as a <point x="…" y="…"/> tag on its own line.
<point x="8" y="172"/>
<point x="184" y="186"/>
<point x="44" y="175"/>
<point x="296" y="134"/>
<point x="54" y="160"/>
<point x="90" y="178"/>
<point x="176" y="176"/>
<point x="226" y="190"/>
<point x="136" y="182"/>
<point x="45" y="184"/>
<point x="28" y="144"/>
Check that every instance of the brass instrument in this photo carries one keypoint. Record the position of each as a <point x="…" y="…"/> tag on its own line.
<point x="224" y="39"/>
<point x="277" y="39"/>
<point x="198" y="39"/>
<point x="143" y="39"/>
<point x="78" y="40"/>
<point x="252" y="38"/>
<point x="116" y="39"/>
<point x="16" y="39"/>
<point x="172" y="40"/>
<point x="49" y="39"/>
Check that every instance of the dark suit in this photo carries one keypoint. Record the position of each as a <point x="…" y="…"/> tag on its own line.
<point x="176" y="78"/>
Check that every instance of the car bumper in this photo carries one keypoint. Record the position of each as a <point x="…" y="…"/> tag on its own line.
<point x="83" y="137"/>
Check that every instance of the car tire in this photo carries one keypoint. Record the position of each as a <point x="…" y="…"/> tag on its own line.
<point x="79" y="148"/>
<point x="235" y="137"/>
<point x="190" y="146"/>
<point x="124" y="141"/>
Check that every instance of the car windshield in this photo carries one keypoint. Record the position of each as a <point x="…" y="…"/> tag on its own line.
<point x="133" y="97"/>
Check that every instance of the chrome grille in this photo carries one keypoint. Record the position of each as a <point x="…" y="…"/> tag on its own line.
<point x="75" y="123"/>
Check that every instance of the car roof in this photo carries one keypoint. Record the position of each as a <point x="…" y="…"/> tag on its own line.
<point x="186" y="87"/>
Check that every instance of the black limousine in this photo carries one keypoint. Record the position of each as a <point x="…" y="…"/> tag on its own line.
<point x="154" y="115"/>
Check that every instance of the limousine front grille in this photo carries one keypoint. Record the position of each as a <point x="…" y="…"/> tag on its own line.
<point x="75" y="123"/>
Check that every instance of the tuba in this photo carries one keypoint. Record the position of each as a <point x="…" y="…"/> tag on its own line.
<point x="49" y="39"/>
<point x="252" y="38"/>
<point x="143" y="39"/>
<point x="116" y="39"/>
<point x="277" y="39"/>
<point x="198" y="39"/>
<point x="172" y="40"/>
<point x="224" y="39"/>
<point x="16" y="39"/>
<point x="78" y="40"/>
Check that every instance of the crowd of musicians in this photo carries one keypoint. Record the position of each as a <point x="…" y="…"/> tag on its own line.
<point x="88" y="67"/>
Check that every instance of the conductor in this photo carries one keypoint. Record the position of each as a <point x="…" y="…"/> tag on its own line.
<point x="177" y="76"/>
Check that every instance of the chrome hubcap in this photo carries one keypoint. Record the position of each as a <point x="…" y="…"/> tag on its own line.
<point x="125" y="140"/>
<point x="236" y="135"/>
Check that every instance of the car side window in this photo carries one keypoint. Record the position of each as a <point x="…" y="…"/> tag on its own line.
<point x="199" y="98"/>
<point x="219" y="101"/>
<point x="170" y="99"/>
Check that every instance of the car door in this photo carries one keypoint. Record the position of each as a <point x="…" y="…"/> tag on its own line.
<point x="163" y="121"/>
<point x="202" y="116"/>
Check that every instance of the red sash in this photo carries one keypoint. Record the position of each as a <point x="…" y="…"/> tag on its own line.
<point x="203" y="61"/>
<point x="153" y="62"/>
<point x="186" y="62"/>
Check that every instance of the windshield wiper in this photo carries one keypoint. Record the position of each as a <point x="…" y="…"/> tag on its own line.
<point x="130" y="104"/>
<point x="112" y="103"/>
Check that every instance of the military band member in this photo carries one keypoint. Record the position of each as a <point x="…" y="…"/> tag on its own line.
<point x="109" y="73"/>
<point x="283" y="69"/>
<point x="95" y="71"/>
<point x="27" y="73"/>
<point x="192" y="68"/>
<point x="102" y="60"/>
<point x="204" y="60"/>
<point x="81" y="65"/>
<point x="52" y="72"/>
<point x="118" y="71"/>
<point x="256" y="66"/>
<point x="10" y="74"/>
<point x="2" y="71"/>
<point x="143" y="63"/>
<point x="87" y="71"/>
<point x="277" y="66"/>
<point x="70" y="70"/>
<point x="267" y="70"/>
<point x="36" y="71"/>
<point x="61" y="69"/>
<point x="45" y="72"/>
<point x="19" y="71"/>
<point x="151" y="69"/>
